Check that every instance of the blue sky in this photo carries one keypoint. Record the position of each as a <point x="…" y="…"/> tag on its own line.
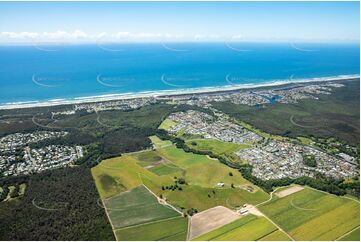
<point x="179" y="21"/>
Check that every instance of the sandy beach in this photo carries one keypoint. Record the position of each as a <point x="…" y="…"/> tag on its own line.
<point x="169" y="93"/>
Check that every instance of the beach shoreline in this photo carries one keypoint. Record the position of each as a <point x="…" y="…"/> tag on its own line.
<point x="164" y="94"/>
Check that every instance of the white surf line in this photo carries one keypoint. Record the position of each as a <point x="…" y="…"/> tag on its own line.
<point x="172" y="49"/>
<point x="42" y="208"/>
<point x="236" y="49"/>
<point x="347" y="233"/>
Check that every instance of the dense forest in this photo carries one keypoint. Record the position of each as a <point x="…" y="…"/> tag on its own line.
<point x="57" y="205"/>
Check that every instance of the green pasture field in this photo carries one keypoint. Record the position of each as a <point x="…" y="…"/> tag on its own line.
<point x="215" y="146"/>
<point x="158" y="143"/>
<point x="136" y="206"/>
<point x="119" y="174"/>
<point x="248" y="228"/>
<point x="313" y="215"/>
<point x="167" y="124"/>
<point x="168" y="229"/>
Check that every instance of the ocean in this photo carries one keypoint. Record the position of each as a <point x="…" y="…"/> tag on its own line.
<point x="41" y="73"/>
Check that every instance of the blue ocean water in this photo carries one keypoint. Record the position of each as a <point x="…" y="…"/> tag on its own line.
<point x="39" y="73"/>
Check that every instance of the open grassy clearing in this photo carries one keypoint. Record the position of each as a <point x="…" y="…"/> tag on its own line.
<point x="215" y="146"/>
<point x="167" y="124"/>
<point x="313" y="215"/>
<point x="249" y="227"/>
<point x="212" y="170"/>
<point x="136" y="206"/>
<point x="122" y="174"/>
<point x="158" y="143"/>
<point x="169" y="229"/>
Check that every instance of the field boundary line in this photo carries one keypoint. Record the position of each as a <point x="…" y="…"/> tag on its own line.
<point x="110" y="221"/>
<point x="159" y="199"/>
<point x="289" y="236"/>
<point x="166" y="237"/>
<point x="146" y="223"/>
<point x="258" y="239"/>
<point x="188" y="228"/>
<point x="347" y="233"/>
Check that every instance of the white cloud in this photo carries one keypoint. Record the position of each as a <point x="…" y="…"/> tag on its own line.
<point x="19" y="35"/>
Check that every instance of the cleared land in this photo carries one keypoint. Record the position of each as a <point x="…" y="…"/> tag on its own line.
<point x="313" y="215"/>
<point x="249" y="227"/>
<point x="288" y="191"/>
<point x="209" y="220"/>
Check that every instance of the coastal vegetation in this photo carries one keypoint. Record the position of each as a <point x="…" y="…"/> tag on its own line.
<point x="335" y="115"/>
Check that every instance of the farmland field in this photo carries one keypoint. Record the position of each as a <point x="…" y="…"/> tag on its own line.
<point x="276" y="236"/>
<point x="136" y="206"/>
<point x="353" y="236"/>
<point x="248" y="227"/>
<point x="313" y="215"/>
<point x="119" y="174"/>
<point x="168" y="229"/>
